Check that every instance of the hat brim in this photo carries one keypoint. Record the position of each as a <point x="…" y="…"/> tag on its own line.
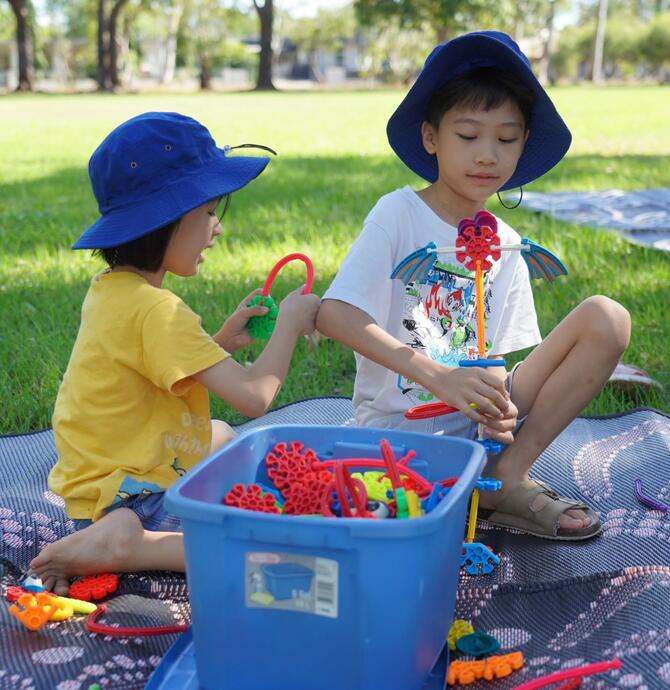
<point x="549" y="137"/>
<point x="220" y="176"/>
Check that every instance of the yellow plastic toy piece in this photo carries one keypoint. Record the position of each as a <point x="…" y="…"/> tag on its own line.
<point x="63" y="611"/>
<point x="376" y="489"/>
<point x="466" y="672"/>
<point x="413" y="504"/>
<point x="472" y="519"/>
<point x="34" y="611"/>
<point x="459" y="628"/>
<point x="263" y="598"/>
<point x="78" y="606"/>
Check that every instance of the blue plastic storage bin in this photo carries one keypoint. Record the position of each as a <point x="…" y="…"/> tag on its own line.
<point x="382" y="598"/>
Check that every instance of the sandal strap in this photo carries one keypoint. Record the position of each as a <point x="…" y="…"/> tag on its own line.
<point x="515" y="509"/>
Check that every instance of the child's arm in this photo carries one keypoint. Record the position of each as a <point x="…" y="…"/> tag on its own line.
<point x="251" y="390"/>
<point x="456" y="386"/>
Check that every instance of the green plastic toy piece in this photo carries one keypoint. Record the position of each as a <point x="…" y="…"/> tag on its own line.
<point x="401" y="500"/>
<point x="261" y="327"/>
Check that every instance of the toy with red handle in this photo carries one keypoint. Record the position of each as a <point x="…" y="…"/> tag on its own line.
<point x="261" y="327"/>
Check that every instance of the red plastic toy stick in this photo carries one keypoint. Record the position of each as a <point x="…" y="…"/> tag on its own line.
<point x="389" y="459"/>
<point x="578" y="672"/>
<point x="95" y="627"/>
<point x="429" y="410"/>
<point x="281" y="263"/>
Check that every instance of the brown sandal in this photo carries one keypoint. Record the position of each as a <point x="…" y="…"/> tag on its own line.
<point x="515" y="511"/>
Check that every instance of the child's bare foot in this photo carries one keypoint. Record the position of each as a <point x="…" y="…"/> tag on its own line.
<point x="102" y="547"/>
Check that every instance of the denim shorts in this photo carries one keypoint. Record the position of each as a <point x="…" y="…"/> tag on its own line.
<point x="150" y="510"/>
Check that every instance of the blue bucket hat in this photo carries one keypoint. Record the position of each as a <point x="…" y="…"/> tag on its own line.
<point x="154" y="168"/>
<point x="548" y="138"/>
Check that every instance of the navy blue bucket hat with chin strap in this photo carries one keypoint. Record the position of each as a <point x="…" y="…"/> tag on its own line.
<point x="548" y="139"/>
<point x="153" y="169"/>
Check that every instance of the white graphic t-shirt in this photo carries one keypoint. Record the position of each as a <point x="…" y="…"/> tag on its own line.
<point x="434" y="314"/>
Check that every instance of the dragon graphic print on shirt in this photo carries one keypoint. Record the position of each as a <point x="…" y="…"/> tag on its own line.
<point x="439" y="318"/>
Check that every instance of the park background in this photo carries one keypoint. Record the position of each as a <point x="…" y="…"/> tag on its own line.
<point x="316" y="81"/>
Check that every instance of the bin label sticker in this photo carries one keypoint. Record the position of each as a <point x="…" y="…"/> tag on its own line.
<point x="291" y="582"/>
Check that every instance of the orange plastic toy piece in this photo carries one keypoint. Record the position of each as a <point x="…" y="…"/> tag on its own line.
<point x="36" y="610"/>
<point x="94" y="587"/>
<point x="466" y="672"/>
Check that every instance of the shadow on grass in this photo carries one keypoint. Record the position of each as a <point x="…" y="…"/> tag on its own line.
<point x="308" y="196"/>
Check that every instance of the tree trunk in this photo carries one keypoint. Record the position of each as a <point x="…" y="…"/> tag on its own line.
<point x="170" y="61"/>
<point x="104" y="76"/>
<point x="544" y="71"/>
<point x="205" y="75"/>
<point x="265" y="15"/>
<point x="597" y="76"/>
<point x="23" y="45"/>
<point x="313" y="62"/>
<point x="113" y="44"/>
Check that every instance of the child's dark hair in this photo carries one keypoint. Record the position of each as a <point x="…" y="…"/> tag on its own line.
<point x="482" y="87"/>
<point x="145" y="253"/>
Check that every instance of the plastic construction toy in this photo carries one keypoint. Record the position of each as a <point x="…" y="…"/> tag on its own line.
<point x="77" y="605"/>
<point x="94" y="626"/>
<point x="477" y="247"/>
<point x="467" y="672"/>
<point x="261" y="327"/>
<point x="306" y="496"/>
<point x="287" y="464"/>
<point x="647" y="500"/>
<point x="94" y="587"/>
<point x="478" y="559"/>
<point x="459" y="628"/>
<point x="251" y="497"/>
<point x="570" y="673"/>
<point x="32" y="584"/>
<point x="477" y="644"/>
<point x="34" y="610"/>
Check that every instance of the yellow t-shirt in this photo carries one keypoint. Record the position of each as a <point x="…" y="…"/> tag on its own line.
<point x="128" y="418"/>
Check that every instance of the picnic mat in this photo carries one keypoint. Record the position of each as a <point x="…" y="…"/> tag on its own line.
<point x="642" y="216"/>
<point x="562" y="604"/>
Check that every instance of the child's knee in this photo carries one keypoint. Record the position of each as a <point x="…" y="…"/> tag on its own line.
<point x="222" y="433"/>
<point x="608" y="322"/>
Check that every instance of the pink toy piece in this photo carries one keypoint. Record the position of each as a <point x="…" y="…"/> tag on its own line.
<point x="569" y="673"/>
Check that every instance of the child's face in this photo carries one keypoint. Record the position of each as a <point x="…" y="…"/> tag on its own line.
<point x="195" y="233"/>
<point x="477" y="150"/>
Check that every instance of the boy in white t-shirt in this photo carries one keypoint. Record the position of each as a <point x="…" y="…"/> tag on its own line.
<point x="475" y="122"/>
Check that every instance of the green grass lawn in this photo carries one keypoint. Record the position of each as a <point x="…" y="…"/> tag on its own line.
<point x="334" y="163"/>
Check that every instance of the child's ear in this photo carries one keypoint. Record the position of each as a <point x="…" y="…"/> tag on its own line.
<point x="429" y="137"/>
<point x="525" y="137"/>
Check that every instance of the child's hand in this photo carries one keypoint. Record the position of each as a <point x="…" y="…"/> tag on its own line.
<point x="299" y="311"/>
<point x="467" y="387"/>
<point x="233" y="335"/>
<point x="501" y="429"/>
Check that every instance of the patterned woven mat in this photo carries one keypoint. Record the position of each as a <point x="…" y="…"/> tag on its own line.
<point x="562" y="604"/>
